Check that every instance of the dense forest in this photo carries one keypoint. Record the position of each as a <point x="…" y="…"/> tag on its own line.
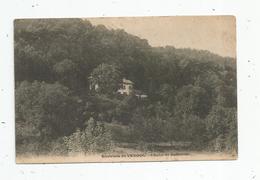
<point x="190" y="104"/>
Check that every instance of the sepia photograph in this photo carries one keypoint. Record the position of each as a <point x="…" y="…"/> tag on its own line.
<point x="125" y="89"/>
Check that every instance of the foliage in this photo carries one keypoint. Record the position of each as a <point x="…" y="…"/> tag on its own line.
<point x="191" y="93"/>
<point x="221" y="125"/>
<point x="192" y="100"/>
<point x="44" y="111"/>
<point x="149" y="123"/>
<point x="94" y="138"/>
<point x="125" y="109"/>
<point x="107" y="79"/>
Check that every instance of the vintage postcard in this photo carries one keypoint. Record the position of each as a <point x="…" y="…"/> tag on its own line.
<point x="125" y="89"/>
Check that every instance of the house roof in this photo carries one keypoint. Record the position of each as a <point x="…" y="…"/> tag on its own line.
<point x="126" y="81"/>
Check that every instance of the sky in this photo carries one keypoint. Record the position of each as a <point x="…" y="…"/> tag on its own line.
<point x="214" y="33"/>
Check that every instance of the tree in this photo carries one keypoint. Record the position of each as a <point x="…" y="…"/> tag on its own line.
<point x="192" y="100"/>
<point x="125" y="109"/>
<point x="106" y="77"/>
<point x="220" y="121"/>
<point x="44" y="112"/>
<point x="195" y="130"/>
<point x="66" y="72"/>
<point x="149" y="123"/>
<point x="190" y="92"/>
<point x="93" y="138"/>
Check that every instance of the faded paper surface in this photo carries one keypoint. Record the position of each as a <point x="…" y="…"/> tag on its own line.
<point x="214" y="33"/>
<point x="125" y="89"/>
<point x="146" y="157"/>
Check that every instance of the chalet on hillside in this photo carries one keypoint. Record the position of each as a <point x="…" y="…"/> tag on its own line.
<point x="126" y="87"/>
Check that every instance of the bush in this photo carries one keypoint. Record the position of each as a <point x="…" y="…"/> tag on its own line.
<point x="94" y="138"/>
<point x="222" y="129"/>
<point x="149" y="123"/>
<point x="44" y="111"/>
<point x="120" y="133"/>
<point x="58" y="147"/>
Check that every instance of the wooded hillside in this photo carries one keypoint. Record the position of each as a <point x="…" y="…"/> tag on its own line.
<point x="191" y="94"/>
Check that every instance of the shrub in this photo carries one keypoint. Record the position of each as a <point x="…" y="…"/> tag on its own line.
<point x="44" y="111"/>
<point x="58" y="147"/>
<point x="120" y="133"/>
<point x="222" y="128"/>
<point x="94" y="138"/>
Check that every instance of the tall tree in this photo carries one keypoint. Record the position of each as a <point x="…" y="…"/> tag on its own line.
<point x="105" y="79"/>
<point x="44" y="111"/>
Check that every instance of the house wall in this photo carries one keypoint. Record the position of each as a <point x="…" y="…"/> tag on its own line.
<point x="126" y="89"/>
